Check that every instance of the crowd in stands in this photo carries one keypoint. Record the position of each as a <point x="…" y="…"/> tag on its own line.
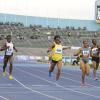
<point x="41" y="36"/>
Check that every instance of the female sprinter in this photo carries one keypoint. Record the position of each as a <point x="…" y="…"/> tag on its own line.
<point x="84" y="66"/>
<point x="8" y="47"/>
<point x="56" y="56"/>
<point x="95" y="57"/>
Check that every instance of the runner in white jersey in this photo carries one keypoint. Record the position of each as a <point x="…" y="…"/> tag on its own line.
<point x="8" y="57"/>
<point x="84" y="66"/>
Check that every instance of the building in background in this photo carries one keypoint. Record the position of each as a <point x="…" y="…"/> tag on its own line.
<point x="90" y="25"/>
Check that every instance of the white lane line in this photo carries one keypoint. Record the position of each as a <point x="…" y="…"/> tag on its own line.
<point x="40" y="85"/>
<point x="49" y="96"/>
<point x="6" y="84"/>
<point x="68" y="89"/>
<point x="79" y="81"/>
<point x="4" y="98"/>
<point x="79" y="92"/>
<point x="78" y="75"/>
<point x="15" y="87"/>
<point x="15" y="92"/>
<point x="74" y="86"/>
<point x="20" y="87"/>
<point x="71" y="79"/>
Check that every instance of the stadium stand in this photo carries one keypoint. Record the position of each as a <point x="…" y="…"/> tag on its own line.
<point x="37" y="36"/>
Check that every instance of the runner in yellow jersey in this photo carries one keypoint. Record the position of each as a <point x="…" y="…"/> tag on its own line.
<point x="56" y="49"/>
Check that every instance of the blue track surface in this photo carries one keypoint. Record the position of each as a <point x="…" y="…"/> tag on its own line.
<point x="31" y="82"/>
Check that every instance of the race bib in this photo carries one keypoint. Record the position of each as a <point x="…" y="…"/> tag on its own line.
<point x="86" y="53"/>
<point x="94" y="50"/>
<point x="9" y="51"/>
<point x="58" y="50"/>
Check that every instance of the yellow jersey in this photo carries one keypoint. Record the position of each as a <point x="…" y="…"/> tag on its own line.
<point x="57" y="52"/>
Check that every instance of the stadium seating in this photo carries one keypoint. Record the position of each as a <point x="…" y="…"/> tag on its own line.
<point x="37" y="36"/>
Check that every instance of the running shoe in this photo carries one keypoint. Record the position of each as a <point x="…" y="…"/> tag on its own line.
<point x="10" y="77"/>
<point x="4" y="73"/>
<point x="95" y="78"/>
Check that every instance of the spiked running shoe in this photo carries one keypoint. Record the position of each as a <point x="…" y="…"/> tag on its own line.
<point x="10" y="77"/>
<point x="4" y="73"/>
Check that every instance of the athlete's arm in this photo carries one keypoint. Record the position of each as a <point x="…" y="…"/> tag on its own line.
<point x="91" y="51"/>
<point x="51" y="47"/>
<point x="66" y="47"/>
<point x="15" y="49"/>
<point x="78" y="52"/>
<point x="4" y="47"/>
<point x="98" y="48"/>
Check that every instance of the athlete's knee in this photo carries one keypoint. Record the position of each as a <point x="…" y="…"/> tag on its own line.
<point x="5" y="64"/>
<point x="51" y="70"/>
<point x="4" y="67"/>
<point x="87" y="73"/>
<point x="83" y="73"/>
<point x="97" y="66"/>
<point x="83" y="70"/>
<point x="11" y="64"/>
<point x="59" y="71"/>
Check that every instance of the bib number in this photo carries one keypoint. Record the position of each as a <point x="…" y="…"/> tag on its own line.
<point x="94" y="51"/>
<point x="85" y="53"/>
<point x="9" y="52"/>
<point x="58" y="50"/>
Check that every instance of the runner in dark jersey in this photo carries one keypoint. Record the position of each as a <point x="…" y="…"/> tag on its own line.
<point x="95" y="50"/>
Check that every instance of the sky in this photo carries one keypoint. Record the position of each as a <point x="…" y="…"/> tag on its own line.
<point x="68" y="9"/>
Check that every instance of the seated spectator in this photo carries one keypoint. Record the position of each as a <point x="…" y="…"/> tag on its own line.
<point x="76" y="61"/>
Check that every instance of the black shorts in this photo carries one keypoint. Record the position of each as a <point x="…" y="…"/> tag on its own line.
<point x="55" y="61"/>
<point x="7" y="57"/>
<point x="96" y="59"/>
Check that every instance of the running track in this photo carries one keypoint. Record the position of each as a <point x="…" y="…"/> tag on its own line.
<point x="31" y="82"/>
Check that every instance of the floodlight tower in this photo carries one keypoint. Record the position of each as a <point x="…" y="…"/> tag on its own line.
<point x="97" y="11"/>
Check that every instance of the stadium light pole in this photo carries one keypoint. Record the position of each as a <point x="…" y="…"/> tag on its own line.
<point x="15" y="18"/>
<point x="58" y="21"/>
<point x="97" y="11"/>
<point x="58" y="18"/>
<point x="26" y="13"/>
<point x="26" y="20"/>
<point x="5" y="18"/>
<point x="47" y="22"/>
